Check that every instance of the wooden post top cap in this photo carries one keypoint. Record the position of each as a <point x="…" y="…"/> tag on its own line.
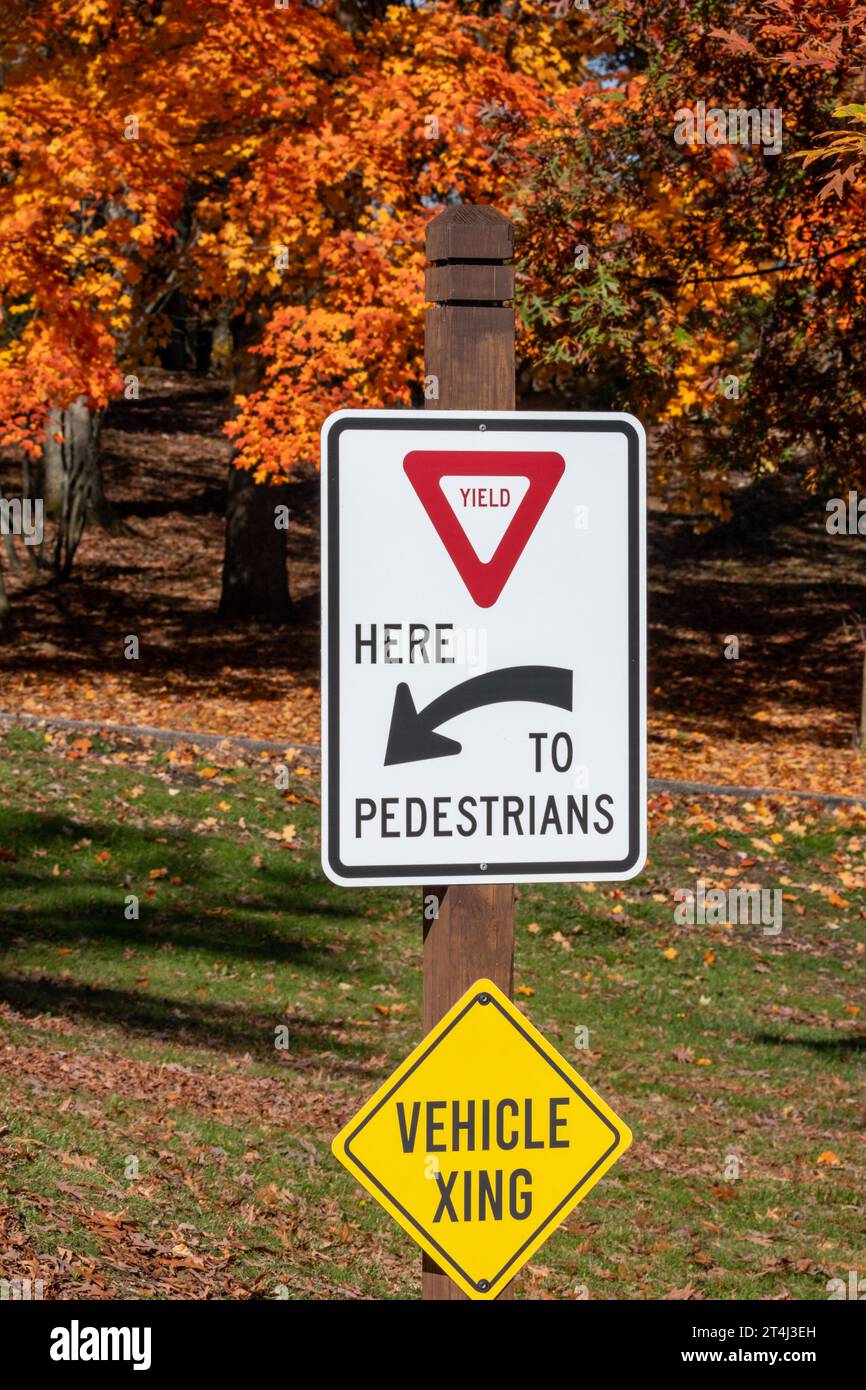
<point x="470" y="233"/>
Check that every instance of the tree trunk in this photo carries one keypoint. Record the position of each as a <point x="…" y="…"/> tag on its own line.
<point x="76" y="455"/>
<point x="69" y="478"/>
<point x="81" y="429"/>
<point x="4" y="602"/>
<point x="863" y="703"/>
<point x="255" y="584"/>
<point x="49" y="479"/>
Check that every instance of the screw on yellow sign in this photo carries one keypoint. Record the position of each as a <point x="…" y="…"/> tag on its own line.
<point x="482" y="1141"/>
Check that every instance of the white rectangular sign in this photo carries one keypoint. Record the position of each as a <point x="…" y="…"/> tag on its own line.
<point x="483" y="647"/>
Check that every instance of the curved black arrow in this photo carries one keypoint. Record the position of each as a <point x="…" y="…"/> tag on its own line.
<point x="412" y="735"/>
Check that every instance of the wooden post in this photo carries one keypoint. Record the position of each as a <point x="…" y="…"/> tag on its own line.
<point x="469" y="365"/>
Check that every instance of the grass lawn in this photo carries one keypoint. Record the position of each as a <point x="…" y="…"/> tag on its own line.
<point x="156" y="1142"/>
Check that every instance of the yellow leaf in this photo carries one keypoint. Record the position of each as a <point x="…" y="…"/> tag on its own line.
<point x="763" y="846"/>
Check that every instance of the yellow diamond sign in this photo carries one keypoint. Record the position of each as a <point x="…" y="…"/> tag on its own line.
<point x="482" y="1141"/>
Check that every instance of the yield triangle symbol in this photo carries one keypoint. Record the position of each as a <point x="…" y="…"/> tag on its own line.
<point x="485" y="506"/>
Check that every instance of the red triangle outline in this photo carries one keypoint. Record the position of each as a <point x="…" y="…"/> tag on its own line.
<point x="426" y="467"/>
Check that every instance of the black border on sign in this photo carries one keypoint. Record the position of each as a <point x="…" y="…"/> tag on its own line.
<point x="443" y="1253"/>
<point x="458" y="872"/>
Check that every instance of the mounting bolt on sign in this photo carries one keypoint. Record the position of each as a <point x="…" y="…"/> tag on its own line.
<point x="484" y="717"/>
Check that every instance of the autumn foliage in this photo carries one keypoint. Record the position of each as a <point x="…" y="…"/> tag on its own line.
<point x="723" y="296"/>
<point x="277" y="164"/>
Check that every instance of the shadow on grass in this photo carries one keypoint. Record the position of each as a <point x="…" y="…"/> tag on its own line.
<point x="236" y="934"/>
<point x="209" y="1026"/>
<point x="93" y="901"/>
<point x="296" y="921"/>
<point x="856" y="1042"/>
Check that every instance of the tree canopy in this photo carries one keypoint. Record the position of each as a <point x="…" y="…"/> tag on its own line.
<point x="278" y="163"/>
